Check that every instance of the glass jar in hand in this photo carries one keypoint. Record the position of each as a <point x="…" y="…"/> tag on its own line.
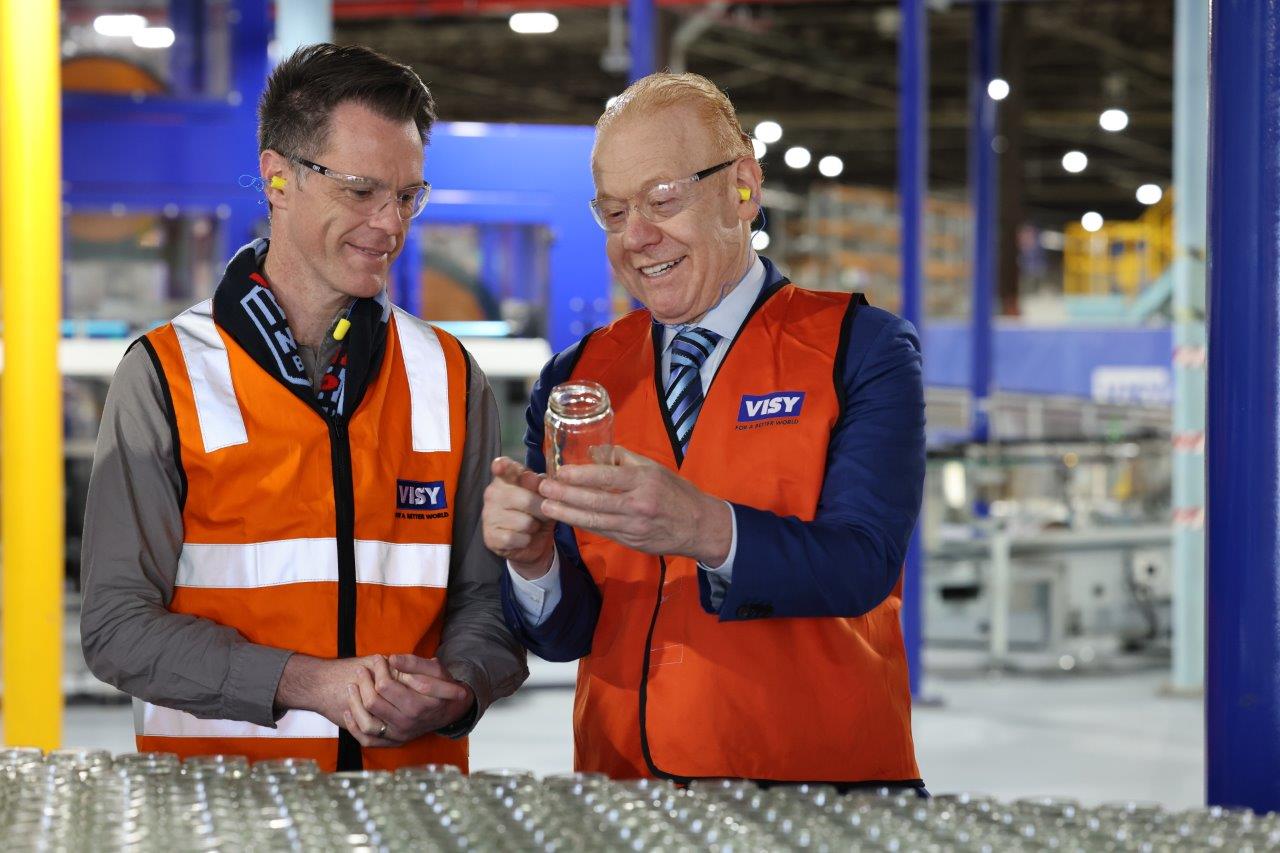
<point x="579" y="425"/>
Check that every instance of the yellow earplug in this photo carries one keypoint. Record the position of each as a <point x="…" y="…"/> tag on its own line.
<point x="277" y="182"/>
<point x="744" y="193"/>
<point x="340" y="330"/>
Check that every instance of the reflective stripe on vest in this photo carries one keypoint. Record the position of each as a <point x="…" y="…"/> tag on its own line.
<point x="156" y="721"/>
<point x="428" y="394"/>
<point x="260" y="564"/>
<point x="221" y="424"/>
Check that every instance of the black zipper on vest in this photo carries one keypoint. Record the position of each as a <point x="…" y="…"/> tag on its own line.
<point x="644" y="681"/>
<point x="344" y="503"/>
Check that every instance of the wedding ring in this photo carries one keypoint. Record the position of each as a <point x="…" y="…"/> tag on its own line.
<point x="382" y="731"/>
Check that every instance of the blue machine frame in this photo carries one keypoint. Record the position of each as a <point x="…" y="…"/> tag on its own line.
<point x="1242" y="599"/>
<point x="913" y="179"/>
<point x="189" y="151"/>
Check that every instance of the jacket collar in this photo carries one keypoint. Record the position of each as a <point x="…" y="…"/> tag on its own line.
<point x="365" y="341"/>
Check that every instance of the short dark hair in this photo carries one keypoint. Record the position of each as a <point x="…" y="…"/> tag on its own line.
<point x="302" y="92"/>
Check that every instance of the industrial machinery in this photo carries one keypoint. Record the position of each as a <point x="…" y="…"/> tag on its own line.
<point x="1056" y="548"/>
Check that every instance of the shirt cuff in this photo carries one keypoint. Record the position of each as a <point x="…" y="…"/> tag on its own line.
<point x="250" y="689"/>
<point x="719" y="577"/>
<point x="724" y="571"/>
<point x="473" y="677"/>
<point x="537" y="598"/>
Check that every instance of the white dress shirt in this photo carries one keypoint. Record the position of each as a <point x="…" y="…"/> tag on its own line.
<point x="537" y="598"/>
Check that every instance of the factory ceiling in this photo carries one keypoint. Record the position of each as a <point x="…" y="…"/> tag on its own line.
<point x="827" y="72"/>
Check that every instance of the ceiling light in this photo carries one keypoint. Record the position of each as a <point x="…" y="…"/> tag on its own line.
<point x="1114" y="120"/>
<point x="797" y="157"/>
<point x="119" y="25"/>
<point x="998" y="89"/>
<point x="1074" y="161"/>
<point x="534" y="23"/>
<point x="831" y="166"/>
<point x="1092" y="221"/>
<point x="1150" y="194"/>
<point x="759" y="147"/>
<point x="768" y="132"/>
<point x="155" y="37"/>
<point x="760" y="241"/>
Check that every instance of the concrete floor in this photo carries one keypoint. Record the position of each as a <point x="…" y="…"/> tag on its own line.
<point x="1096" y="738"/>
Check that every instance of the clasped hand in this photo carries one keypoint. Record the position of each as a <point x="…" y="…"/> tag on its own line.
<point x="398" y="699"/>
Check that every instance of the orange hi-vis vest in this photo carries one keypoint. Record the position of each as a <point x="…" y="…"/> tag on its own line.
<point x="670" y="690"/>
<point x="297" y="529"/>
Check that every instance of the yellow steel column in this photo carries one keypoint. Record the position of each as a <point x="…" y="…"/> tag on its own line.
<point x="31" y="392"/>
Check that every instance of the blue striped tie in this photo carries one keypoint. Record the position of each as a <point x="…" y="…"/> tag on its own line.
<point x="684" y="386"/>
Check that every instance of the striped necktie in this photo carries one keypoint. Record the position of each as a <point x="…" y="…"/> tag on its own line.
<point x="684" y="385"/>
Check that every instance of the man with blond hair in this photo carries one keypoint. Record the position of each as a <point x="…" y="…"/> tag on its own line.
<point x="731" y="583"/>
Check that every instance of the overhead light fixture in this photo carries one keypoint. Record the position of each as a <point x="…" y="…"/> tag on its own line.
<point x="1113" y="120"/>
<point x="1150" y="194"/>
<point x="153" y="37"/>
<point x="998" y="89"/>
<point x="1091" y="221"/>
<point x="119" y="25"/>
<point x="759" y="147"/>
<point x="797" y="157"/>
<point x="760" y="241"/>
<point x="768" y="132"/>
<point x="830" y="166"/>
<point x="1074" y="161"/>
<point x="534" y="23"/>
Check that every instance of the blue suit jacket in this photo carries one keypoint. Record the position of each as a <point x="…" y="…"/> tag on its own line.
<point x="843" y="563"/>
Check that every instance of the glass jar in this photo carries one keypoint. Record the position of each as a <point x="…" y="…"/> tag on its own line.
<point x="578" y="425"/>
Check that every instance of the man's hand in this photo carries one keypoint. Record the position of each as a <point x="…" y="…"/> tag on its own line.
<point x="514" y="526"/>
<point x="642" y="505"/>
<point x="320" y="685"/>
<point x="402" y="699"/>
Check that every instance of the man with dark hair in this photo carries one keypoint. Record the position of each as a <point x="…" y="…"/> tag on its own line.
<point x="283" y="554"/>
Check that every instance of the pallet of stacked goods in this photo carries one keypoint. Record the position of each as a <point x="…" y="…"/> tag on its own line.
<point x="847" y="238"/>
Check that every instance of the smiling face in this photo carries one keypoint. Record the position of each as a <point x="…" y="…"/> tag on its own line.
<point x="339" y="252"/>
<point x="678" y="267"/>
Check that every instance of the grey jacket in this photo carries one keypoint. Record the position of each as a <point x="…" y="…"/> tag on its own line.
<point x="133" y="536"/>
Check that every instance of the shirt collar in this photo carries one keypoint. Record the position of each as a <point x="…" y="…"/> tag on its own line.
<point x="728" y="315"/>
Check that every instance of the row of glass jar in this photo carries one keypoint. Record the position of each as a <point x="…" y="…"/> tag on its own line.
<point x="88" y="800"/>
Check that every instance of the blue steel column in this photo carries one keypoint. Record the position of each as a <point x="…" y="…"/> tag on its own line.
<point x="250" y="32"/>
<point x="982" y="189"/>
<point x="1242" y="696"/>
<point x="187" y="59"/>
<point x="1190" y="140"/>
<point x="913" y="182"/>
<point x="641" y="27"/>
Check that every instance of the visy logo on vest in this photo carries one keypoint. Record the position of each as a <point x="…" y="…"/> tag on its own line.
<point x="779" y="407"/>
<point x="415" y="499"/>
